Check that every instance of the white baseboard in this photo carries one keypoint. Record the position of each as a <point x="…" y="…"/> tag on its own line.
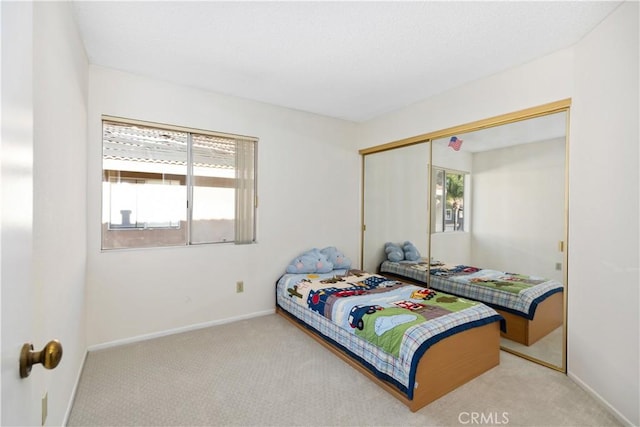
<point x="72" y="398"/>
<point x="177" y="330"/>
<point x="624" y="420"/>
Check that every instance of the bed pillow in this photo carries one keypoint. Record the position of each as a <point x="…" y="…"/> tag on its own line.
<point x="312" y="261"/>
<point x="337" y="258"/>
<point x="394" y="252"/>
<point x="410" y="251"/>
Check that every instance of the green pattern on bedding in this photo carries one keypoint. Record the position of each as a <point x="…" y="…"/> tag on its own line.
<point x="451" y="302"/>
<point x="386" y="328"/>
<point x="373" y="307"/>
<point x="507" y="282"/>
<point x="507" y="286"/>
<point x="454" y="279"/>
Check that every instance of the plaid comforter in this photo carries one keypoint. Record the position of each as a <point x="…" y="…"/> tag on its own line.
<point x="385" y="324"/>
<point x="515" y="293"/>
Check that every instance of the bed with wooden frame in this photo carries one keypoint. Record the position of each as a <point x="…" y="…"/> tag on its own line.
<point x="415" y="343"/>
<point x="531" y="306"/>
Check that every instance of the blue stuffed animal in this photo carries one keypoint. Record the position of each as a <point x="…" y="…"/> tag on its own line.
<point x="337" y="258"/>
<point x="410" y="251"/>
<point x="312" y="261"/>
<point x="394" y="252"/>
<point x="322" y="264"/>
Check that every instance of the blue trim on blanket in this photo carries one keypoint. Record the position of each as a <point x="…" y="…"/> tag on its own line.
<point x="420" y="282"/>
<point x="529" y="316"/>
<point x="435" y="339"/>
<point x="534" y="304"/>
<point x="532" y="308"/>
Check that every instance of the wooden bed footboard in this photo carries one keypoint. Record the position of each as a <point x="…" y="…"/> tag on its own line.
<point x="445" y="366"/>
<point x="455" y="361"/>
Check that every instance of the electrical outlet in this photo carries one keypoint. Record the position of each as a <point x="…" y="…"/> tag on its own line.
<point x="239" y="286"/>
<point x="45" y="405"/>
<point x="558" y="266"/>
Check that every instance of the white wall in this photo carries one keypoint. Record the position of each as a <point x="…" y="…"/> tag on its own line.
<point x="600" y="74"/>
<point x="387" y="218"/>
<point x="603" y="212"/>
<point x="519" y="208"/>
<point x="308" y="175"/>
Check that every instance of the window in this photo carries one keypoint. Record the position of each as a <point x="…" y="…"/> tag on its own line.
<point x="449" y="196"/>
<point x="172" y="186"/>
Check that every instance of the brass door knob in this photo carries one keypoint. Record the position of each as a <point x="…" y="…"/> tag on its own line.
<point x="49" y="356"/>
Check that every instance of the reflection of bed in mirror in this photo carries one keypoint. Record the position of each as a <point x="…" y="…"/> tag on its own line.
<point x="532" y="306"/>
<point x="496" y="197"/>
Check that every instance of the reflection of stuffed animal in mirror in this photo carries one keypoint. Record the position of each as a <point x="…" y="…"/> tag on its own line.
<point x="337" y="258"/>
<point x="394" y="252"/>
<point x="410" y="251"/>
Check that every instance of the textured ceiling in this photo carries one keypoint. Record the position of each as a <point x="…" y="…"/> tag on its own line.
<point x="350" y="60"/>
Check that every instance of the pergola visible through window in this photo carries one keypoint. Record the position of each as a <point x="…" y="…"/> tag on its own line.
<point x="169" y="186"/>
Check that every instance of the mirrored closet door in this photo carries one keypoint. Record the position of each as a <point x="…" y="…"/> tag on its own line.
<point x="490" y="194"/>
<point x="499" y="204"/>
<point x="395" y="201"/>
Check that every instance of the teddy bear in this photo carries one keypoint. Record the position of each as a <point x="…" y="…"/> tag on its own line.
<point x="393" y="251"/>
<point x="312" y="261"/>
<point x="410" y="251"/>
<point x="337" y="258"/>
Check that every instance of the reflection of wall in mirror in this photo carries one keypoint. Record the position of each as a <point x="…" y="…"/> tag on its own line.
<point x="518" y="215"/>
<point x="445" y="157"/>
<point x="395" y="201"/>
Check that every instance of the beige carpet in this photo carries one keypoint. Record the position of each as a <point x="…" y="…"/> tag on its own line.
<point x="266" y="372"/>
<point x="547" y="349"/>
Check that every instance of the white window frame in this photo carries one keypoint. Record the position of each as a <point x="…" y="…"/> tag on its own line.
<point x="244" y="182"/>
<point x="447" y="214"/>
